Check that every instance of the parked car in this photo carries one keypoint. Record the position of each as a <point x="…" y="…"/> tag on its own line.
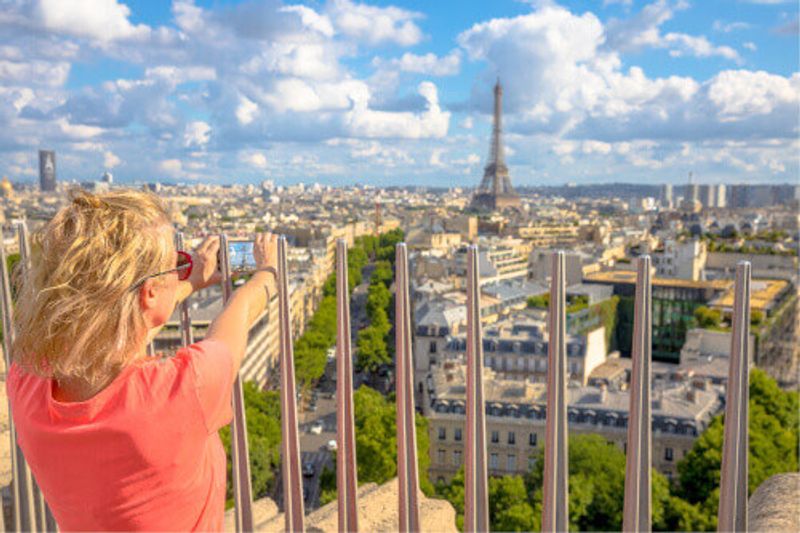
<point x="306" y="493"/>
<point x="316" y="428"/>
<point x="309" y="470"/>
<point x="332" y="446"/>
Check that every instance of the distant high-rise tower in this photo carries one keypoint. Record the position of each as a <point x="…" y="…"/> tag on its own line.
<point x="47" y="170"/>
<point x="666" y="196"/>
<point x="722" y="197"/>
<point x="495" y="191"/>
<point x="691" y="203"/>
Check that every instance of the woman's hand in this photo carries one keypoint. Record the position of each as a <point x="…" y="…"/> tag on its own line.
<point x="204" y="269"/>
<point x="265" y="253"/>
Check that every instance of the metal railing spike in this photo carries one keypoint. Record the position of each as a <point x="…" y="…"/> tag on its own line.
<point x="476" y="501"/>
<point x="734" y="475"/>
<point x="555" y="515"/>
<point x="407" y="465"/>
<point x="637" y="506"/>
<point x="18" y="465"/>
<point x="242" y="490"/>
<point x="346" y="477"/>
<point x="187" y="336"/>
<point x="290" y="441"/>
<point x="38" y="507"/>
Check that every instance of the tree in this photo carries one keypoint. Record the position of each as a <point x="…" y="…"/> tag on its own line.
<point x="383" y="273"/>
<point x="541" y="301"/>
<point x="376" y="439"/>
<point x="773" y="434"/>
<point x="454" y="493"/>
<point x="509" y="509"/>
<point x="707" y="318"/>
<point x="371" y="349"/>
<point x="263" y="414"/>
<point x="596" y="485"/>
<point x="378" y="299"/>
<point x="756" y="318"/>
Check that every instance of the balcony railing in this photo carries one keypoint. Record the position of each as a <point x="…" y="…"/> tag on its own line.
<point x="31" y="514"/>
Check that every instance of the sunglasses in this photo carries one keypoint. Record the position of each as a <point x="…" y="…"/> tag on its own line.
<point x="183" y="268"/>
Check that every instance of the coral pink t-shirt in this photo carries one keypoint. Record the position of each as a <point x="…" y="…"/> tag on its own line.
<point x="143" y="454"/>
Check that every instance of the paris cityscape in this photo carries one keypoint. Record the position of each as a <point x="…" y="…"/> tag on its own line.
<point x="505" y="140"/>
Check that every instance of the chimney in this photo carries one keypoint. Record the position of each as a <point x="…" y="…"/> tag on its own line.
<point x="655" y="403"/>
<point x="691" y="395"/>
<point x="603" y="393"/>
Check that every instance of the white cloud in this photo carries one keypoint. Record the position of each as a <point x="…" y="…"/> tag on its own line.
<point x="643" y="31"/>
<point x="171" y="167"/>
<point x="433" y="122"/>
<point x="681" y="44"/>
<point x="177" y="75"/>
<point x="595" y="147"/>
<point x="750" y="46"/>
<point x="77" y="131"/>
<point x="246" y="111"/>
<point x="196" y="134"/>
<point x="311" y="19"/>
<point x="430" y="63"/>
<point x="742" y="94"/>
<point x="436" y="157"/>
<point x="262" y="72"/>
<point x="375" y="25"/>
<point x="110" y="160"/>
<point x="254" y="158"/>
<point x="47" y="73"/>
<point x="100" y="20"/>
<point x="727" y="27"/>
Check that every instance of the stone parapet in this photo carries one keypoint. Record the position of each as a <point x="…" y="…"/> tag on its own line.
<point x="775" y="505"/>
<point x="377" y="511"/>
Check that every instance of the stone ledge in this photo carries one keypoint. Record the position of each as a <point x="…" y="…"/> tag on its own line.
<point x="377" y="511"/>
<point x="775" y="505"/>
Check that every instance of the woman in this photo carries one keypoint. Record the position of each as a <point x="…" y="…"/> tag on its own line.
<point x="118" y="440"/>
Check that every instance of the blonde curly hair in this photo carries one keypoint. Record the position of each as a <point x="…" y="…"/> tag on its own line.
<point x="75" y="315"/>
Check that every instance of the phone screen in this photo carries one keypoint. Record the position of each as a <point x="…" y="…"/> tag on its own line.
<point x="240" y="254"/>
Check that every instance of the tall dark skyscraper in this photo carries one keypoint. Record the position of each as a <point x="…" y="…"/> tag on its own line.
<point x="495" y="191"/>
<point x="47" y="170"/>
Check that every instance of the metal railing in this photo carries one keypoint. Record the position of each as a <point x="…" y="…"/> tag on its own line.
<point x="555" y="515"/>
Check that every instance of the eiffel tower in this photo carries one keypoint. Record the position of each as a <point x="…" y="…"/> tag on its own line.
<point x="495" y="191"/>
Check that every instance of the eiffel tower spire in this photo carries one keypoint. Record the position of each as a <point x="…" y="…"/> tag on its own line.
<point x="495" y="190"/>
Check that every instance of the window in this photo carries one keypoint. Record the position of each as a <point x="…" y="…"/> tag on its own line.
<point x="457" y="434"/>
<point x="511" y="462"/>
<point x="457" y="458"/>
<point x="433" y="347"/>
<point x="512" y="438"/>
<point x="668" y="454"/>
<point x="531" y="462"/>
<point x="442" y="433"/>
<point x="495" y="437"/>
<point x="532" y="439"/>
<point x="440" y="457"/>
<point x="493" y="461"/>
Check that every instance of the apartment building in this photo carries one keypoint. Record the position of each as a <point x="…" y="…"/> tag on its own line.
<point x="516" y="417"/>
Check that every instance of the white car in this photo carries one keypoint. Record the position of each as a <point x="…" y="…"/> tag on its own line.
<point x="332" y="445"/>
<point x="316" y="428"/>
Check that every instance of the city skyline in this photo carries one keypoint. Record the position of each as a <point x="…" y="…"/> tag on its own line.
<point x="400" y="93"/>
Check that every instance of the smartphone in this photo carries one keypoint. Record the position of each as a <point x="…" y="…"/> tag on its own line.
<point x="240" y="255"/>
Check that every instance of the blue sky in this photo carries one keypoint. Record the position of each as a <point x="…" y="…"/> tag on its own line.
<point x="399" y="93"/>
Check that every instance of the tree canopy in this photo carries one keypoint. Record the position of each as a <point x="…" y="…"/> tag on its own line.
<point x="263" y="413"/>
<point x="597" y="474"/>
